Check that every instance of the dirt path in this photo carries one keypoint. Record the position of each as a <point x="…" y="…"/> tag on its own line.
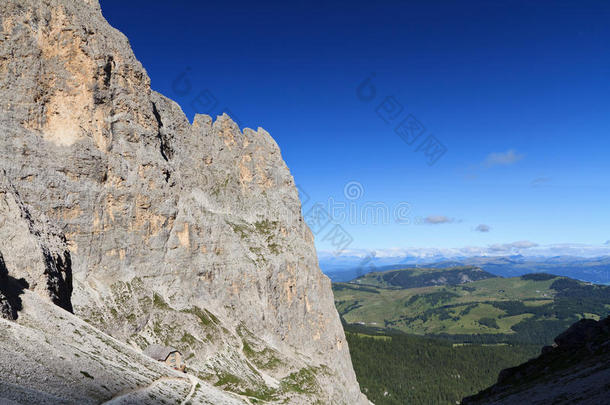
<point x="194" y="382"/>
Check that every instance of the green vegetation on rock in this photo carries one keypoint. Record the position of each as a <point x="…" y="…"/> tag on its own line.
<point x="302" y="382"/>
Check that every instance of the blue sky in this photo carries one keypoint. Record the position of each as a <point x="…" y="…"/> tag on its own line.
<point x="516" y="91"/>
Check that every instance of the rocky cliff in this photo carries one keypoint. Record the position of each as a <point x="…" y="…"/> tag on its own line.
<point x="49" y="356"/>
<point x="36" y="254"/>
<point x="575" y="370"/>
<point x="167" y="232"/>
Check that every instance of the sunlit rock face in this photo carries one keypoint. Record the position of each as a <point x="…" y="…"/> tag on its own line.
<point x="182" y="234"/>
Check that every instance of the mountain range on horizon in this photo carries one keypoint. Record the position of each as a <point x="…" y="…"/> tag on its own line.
<point x="590" y="269"/>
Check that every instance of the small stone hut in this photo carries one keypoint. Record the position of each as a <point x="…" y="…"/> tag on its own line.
<point x="168" y="355"/>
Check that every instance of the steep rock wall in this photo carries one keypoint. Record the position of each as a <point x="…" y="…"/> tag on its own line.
<point x="182" y="234"/>
<point x="33" y="255"/>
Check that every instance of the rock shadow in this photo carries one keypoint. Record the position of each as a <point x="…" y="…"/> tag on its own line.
<point x="10" y="291"/>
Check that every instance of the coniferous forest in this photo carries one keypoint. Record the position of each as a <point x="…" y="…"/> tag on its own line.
<point x="399" y="369"/>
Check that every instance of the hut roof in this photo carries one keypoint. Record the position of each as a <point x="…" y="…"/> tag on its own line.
<point x="158" y="352"/>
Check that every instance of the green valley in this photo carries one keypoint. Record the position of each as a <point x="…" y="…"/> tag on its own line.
<point x="529" y="309"/>
<point x="434" y="336"/>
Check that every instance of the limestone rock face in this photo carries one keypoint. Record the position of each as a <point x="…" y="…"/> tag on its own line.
<point x="32" y="256"/>
<point x="49" y="356"/>
<point x="182" y="234"/>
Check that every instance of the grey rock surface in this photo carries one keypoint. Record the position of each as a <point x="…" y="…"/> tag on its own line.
<point x="33" y="256"/>
<point x="188" y="235"/>
<point x="49" y="356"/>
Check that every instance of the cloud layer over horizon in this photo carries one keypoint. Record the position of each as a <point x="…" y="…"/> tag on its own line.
<point x="524" y="248"/>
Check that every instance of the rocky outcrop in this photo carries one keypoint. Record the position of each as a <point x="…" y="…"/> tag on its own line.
<point x="50" y="356"/>
<point x="584" y="334"/>
<point x="32" y="256"/>
<point x="575" y="370"/>
<point x="180" y="234"/>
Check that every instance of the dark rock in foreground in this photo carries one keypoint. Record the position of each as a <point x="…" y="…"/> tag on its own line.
<point x="575" y="370"/>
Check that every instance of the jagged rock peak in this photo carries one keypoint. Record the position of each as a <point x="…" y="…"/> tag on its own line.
<point x="184" y="235"/>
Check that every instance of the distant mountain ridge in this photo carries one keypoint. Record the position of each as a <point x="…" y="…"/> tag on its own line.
<point x="594" y="270"/>
<point x="417" y="277"/>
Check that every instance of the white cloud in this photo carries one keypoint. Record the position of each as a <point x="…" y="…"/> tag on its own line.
<point x="502" y="158"/>
<point x="482" y="228"/>
<point x="540" y="181"/>
<point x="525" y="248"/>
<point x="525" y="244"/>
<point x="515" y="246"/>
<point x="438" y="219"/>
